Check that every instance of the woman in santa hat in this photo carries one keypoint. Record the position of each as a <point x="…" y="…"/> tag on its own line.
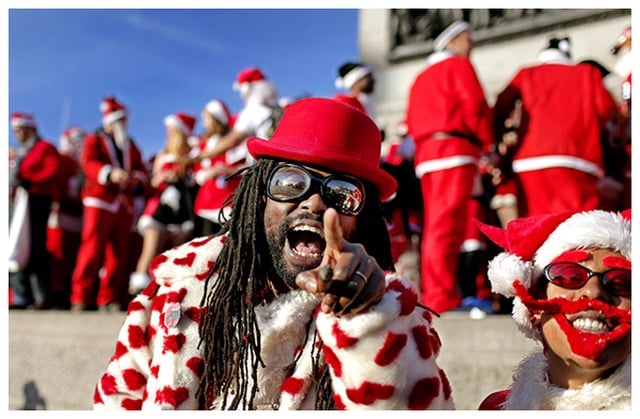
<point x="167" y="219"/>
<point x="570" y="277"/>
<point x="211" y="173"/>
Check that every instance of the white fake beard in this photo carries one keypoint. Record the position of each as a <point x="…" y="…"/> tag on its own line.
<point x="120" y="135"/>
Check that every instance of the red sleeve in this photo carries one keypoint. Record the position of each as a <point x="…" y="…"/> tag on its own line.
<point x="93" y="159"/>
<point x="477" y="112"/>
<point x="495" y="401"/>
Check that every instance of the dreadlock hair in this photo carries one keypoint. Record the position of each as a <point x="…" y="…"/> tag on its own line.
<point x="229" y="333"/>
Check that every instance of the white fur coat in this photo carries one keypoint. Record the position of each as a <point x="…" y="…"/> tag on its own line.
<point x="382" y="359"/>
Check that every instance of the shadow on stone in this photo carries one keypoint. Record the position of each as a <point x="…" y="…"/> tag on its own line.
<point x="32" y="398"/>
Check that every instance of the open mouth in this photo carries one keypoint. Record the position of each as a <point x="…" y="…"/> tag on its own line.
<point x="306" y="244"/>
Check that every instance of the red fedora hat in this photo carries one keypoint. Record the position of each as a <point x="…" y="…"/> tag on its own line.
<point x="331" y="134"/>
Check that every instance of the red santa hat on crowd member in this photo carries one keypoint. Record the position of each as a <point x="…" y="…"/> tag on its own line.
<point x="448" y="34"/>
<point x="22" y="119"/>
<point x="219" y="110"/>
<point x="184" y="122"/>
<point x="557" y="50"/>
<point x="246" y="77"/>
<point x="350" y="73"/>
<point x="112" y="110"/>
<point x="532" y="243"/>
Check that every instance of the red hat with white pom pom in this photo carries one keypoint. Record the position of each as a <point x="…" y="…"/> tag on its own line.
<point x="532" y="243"/>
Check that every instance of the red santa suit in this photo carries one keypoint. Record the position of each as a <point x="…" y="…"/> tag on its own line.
<point x="108" y="218"/>
<point x="382" y="359"/>
<point x="450" y="121"/>
<point x="566" y="108"/>
<point x="215" y="190"/>
<point x="37" y="173"/>
<point x="64" y="228"/>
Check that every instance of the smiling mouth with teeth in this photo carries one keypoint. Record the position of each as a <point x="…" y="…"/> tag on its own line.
<point x="306" y="241"/>
<point x="591" y="322"/>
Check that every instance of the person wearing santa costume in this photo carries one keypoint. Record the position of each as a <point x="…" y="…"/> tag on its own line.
<point x="358" y="82"/>
<point x="450" y="122"/>
<point x="565" y="110"/>
<point x="114" y="176"/>
<point x="65" y="220"/>
<point x="167" y="219"/>
<point x="212" y="173"/>
<point x="260" y="97"/>
<point x="570" y="278"/>
<point x="622" y="126"/>
<point x="33" y="179"/>
<point x="294" y="305"/>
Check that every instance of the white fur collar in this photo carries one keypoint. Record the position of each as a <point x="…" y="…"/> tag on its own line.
<point x="532" y="391"/>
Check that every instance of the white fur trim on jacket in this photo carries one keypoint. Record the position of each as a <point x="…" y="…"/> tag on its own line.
<point x="531" y="389"/>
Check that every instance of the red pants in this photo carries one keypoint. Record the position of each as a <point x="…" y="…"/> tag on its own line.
<point x="63" y="247"/>
<point x="557" y="190"/>
<point x="446" y="196"/>
<point x="105" y="244"/>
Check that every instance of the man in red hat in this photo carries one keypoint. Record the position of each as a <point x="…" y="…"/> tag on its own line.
<point x="450" y="121"/>
<point x="294" y="305"/>
<point x="33" y="181"/>
<point x="114" y="175"/>
<point x="558" y="138"/>
<point x="569" y="275"/>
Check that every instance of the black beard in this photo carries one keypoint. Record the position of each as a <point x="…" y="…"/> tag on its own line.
<point x="276" y="238"/>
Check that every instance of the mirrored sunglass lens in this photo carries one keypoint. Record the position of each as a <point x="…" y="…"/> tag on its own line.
<point x="288" y="183"/>
<point x="344" y="195"/>
<point x="618" y="282"/>
<point x="568" y="275"/>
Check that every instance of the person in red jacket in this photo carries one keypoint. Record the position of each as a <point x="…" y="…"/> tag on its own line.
<point x="34" y="174"/>
<point x="213" y="201"/>
<point x="65" y="222"/>
<point x="115" y="174"/>
<point x="450" y="121"/>
<point x="569" y="275"/>
<point x="565" y="111"/>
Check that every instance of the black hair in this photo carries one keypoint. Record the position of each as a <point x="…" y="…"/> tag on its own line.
<point x="229" y="333"/>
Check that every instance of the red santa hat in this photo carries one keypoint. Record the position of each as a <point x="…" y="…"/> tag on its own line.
<point x="531" y="243"/>
<point x="112" y="110"/>
<point x="449" y="34"/>
<point x="350" y="73"/>
<point x="246" y="77"/>
<point x="219" y="110"/>
<point x="22" y="119"/>
<point x="184" y="122"/>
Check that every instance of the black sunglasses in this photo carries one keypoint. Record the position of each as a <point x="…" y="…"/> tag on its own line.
<point x="570" y="275"/>
<point x="290" y="182"/>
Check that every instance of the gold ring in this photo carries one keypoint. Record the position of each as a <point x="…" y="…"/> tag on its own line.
<point x="361" y="275"/>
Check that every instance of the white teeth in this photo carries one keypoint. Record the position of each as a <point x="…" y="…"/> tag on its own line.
<point x="590" y="325"/>
<point x="305" y="227"/>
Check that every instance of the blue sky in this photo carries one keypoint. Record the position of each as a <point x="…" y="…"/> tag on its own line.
<point x="62" y="62"/>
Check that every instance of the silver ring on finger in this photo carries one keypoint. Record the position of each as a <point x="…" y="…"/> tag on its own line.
<point x="361" y="275"/>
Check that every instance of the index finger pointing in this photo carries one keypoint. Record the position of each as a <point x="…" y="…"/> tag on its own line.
<point x="333" y="231"/>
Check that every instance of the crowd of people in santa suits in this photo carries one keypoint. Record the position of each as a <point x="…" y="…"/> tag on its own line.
<point x="555" y="140"/>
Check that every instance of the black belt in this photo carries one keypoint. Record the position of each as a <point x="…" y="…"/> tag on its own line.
<point x="441" y="135"/>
